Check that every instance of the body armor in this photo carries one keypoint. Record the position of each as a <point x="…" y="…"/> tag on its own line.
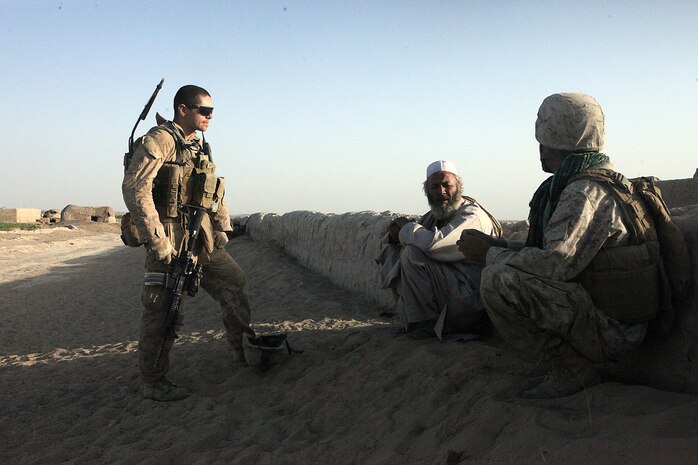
<point x="628" y="282"/>
<point x="188" y="180"/>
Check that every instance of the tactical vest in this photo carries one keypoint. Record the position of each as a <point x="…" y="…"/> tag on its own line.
<point x="188" y="180"/>
<point x="628" y="282"/>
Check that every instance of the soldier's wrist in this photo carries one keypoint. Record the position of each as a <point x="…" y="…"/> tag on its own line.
<point x="156" y="242"/>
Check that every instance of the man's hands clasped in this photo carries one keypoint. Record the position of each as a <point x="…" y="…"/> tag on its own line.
<point x="394" y="229"/>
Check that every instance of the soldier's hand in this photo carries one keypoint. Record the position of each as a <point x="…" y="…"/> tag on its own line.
<point x="493" y="241"/>
<point x="163" y="250"/>
<point x="474" y="244"/>
<point x="220" y="238"/>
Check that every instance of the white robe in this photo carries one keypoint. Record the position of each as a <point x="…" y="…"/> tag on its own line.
<point x="429" y="279"/>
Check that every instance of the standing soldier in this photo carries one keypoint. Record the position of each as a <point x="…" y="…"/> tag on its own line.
<point x="170" y="167"/>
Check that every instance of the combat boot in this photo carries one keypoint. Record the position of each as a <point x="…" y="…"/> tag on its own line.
<point x="164" y="391"/>
<point x="568" y="373"/>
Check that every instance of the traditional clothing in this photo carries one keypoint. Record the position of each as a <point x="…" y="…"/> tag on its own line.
<point x="429" y="278"/>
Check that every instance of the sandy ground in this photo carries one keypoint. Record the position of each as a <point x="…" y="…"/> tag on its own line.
<point x="359" y="394"/>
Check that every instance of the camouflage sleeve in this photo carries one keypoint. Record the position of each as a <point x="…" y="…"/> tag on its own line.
<point x="156" y="147"/>
<point x="587" y="217"/>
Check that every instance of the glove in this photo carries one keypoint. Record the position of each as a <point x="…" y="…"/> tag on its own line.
<point x="162" y="248"/>
<point x="474" y="244"/>
<point x="220" y="238"/>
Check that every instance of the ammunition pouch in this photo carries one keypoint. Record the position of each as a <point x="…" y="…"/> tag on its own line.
<point x="166" y="190"/>
<point x="188" y="181"/>
<point x="129" y="232"/>
<point x="626" y="282"/>
<point x="208" y="190"/>
<point x="201" y="187"/>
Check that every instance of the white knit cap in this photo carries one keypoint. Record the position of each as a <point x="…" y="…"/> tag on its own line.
<point x="441" y="165"/>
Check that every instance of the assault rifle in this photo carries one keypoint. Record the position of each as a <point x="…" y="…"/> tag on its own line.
<point x="183" y="276"/>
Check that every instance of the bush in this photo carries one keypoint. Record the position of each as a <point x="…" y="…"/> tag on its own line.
<point x="22" y="226"/>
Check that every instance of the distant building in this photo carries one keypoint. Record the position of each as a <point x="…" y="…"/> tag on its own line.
<point x="19" y="215"/>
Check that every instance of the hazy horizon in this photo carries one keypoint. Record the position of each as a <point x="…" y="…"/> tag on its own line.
<point x="339" y="106"/>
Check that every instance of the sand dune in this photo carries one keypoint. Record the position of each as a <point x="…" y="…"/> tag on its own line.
<point x="358" y="394"/>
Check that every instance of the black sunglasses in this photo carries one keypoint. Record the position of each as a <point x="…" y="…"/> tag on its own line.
<point x="203" y="111"/>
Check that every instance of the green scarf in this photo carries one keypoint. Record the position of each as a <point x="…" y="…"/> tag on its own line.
<point x="548" y="194"/>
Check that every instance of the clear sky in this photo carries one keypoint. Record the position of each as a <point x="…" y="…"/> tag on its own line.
<point x="338" y="106"/>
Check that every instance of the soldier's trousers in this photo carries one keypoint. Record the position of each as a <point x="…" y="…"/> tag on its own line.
<point x="536" y="315"/>
<point x="223" y="279"/>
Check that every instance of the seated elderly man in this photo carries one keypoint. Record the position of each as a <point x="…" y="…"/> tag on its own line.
<point x="435" y="291"/>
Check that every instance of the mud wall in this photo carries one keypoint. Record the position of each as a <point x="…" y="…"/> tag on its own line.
<point x="19" y="215"/>
<point x="343" y="247"/>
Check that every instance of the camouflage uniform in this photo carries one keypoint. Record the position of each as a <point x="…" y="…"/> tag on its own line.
<point x="531" y="296"/>
<point x="428" y="276"/>
<point x="222" y="278"/>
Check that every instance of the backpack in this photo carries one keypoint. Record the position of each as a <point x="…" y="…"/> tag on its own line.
<point x="672" y="244"/>
<point x="675" y="256"/>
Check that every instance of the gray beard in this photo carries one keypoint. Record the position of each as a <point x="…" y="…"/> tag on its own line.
<point x="441" y="212"/>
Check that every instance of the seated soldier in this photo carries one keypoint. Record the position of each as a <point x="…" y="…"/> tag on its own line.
<point x="436" y="292"/>
<point x="588" y="279"/>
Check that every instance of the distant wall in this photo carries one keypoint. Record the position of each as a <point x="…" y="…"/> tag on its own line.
<point x="78" y="213"/>
<point x="19" y="215"/>
<point x="343" y="247"/>
<point x="680" y="192"/>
